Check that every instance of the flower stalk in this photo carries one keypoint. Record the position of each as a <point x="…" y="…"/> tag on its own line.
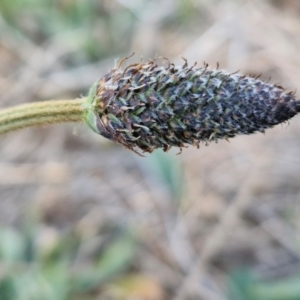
<point x="41" y="113"/>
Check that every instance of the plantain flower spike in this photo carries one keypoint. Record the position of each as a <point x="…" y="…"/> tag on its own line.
<point x="147" y="106"/>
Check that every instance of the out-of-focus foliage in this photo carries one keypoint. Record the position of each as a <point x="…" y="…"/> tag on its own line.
<point x="166" y="168"/>
<point x="50" y="265"/>
<point x="98" y="222"/>
<point x="103" y="33"/>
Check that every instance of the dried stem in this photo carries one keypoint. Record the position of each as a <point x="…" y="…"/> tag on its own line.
<point x="41" y="113"/>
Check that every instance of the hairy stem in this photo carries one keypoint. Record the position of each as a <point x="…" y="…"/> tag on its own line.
<point x="41" y="113"/>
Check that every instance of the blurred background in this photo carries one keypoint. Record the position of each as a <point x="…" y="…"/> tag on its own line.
<point x="83" y="218"/>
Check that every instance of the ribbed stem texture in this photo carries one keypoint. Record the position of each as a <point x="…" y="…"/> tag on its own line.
<point x="40" y="113"/>
<point x="147" y="106"/>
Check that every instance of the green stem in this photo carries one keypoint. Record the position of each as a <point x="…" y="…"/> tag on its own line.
<point x="41" y="113"/>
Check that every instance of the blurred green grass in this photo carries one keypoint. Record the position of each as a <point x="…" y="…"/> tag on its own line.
<point x="51" y="267"/>
<point x="104" y="34"/>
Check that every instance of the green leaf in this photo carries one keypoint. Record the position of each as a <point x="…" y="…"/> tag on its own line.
<point x="114" y="260"/>
<point x="12" y="245"/>
<point x="166" y="168"/>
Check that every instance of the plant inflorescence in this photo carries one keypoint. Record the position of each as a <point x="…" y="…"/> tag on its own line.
<point x="146" y="106"/>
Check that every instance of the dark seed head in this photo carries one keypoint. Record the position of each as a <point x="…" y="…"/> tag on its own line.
<point x="147" y="106"/>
